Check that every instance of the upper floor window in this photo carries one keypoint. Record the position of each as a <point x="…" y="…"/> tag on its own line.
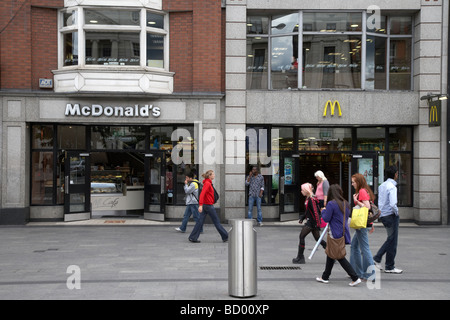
<point x="113" y="37"/>
<point x="328" y="50"/>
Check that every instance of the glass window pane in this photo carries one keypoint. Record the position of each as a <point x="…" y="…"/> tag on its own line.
<point x="332" y="21"/>
<point x="404" y="183"/>
<point x="257" y="25"/>
<point x="284" y="62"/>
<point x="42" y="178"/>
<point x="111" y="17"/>
<point x="285" y="24"/>
<point x="331" y="61"/>
<point x="70" y="17"/>
<point x="70" y="49"/>
<point x="42" y="137"/>
<point x="118" y="138"/>
<point x="60" y="169"/>
<point x="376" y="63"/>
<point x="161" y="138"/>
<point x="400" y="64"/>
<point x="155" y="20"/>
<point x="401" y="25"/>
<point x="286" y="139"/>
<point x="325" y="139"/>
<point x="257" y="62"/>
<point x="400" y="139"/>
<point x="371" y="139"/>
<point x="72" y="137"/>
<point x="155" y="51"/>
<point x="112" y="48"/>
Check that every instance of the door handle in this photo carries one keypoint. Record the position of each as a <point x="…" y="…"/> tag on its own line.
<point x="163" y="185"/>
<point x="282" y="185"/>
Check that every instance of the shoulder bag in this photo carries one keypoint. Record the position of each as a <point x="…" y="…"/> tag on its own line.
<point x="336" y="247"/>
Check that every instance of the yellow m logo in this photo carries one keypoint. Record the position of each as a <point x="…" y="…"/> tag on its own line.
<point x="332" y="106"/>
<point x="434" y="114"/>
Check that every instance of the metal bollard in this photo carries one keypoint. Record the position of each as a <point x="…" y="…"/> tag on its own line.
<point x="242" y="265"/>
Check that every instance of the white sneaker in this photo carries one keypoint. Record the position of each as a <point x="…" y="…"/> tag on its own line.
<point x="260" y="224"/>
<point x="395" y="270"/>
<point x="378" y="265"/>
<point x="354" y="283"/>
<point x="319" y="279"/>
<point x="179" y="230"/>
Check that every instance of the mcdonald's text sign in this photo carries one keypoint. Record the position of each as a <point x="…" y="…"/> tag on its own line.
<point x="434" y="118"/>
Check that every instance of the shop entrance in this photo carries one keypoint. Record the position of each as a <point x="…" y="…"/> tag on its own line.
<point x="371" y="166"/>
<point x="155" y="185"/>
<point x="296" y="169"/>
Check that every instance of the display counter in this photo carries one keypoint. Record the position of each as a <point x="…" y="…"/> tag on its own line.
<point x="109" y="193"/>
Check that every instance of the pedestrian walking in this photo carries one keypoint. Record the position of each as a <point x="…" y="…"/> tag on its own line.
<point x="321" y="188"/>
<point x="255" y="181"/>
<point x="361" y="257"/>
<point x="191" y="189"/>
<point x="206" y="206"/>
<point x="336" y="214"/>
<point x="313" y="221"/>
<point x="387" y="204"/>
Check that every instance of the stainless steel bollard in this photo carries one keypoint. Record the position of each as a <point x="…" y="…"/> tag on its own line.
<point x="242" y="265"/>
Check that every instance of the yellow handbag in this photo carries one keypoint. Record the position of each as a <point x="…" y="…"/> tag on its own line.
<point x="359" y="218"/>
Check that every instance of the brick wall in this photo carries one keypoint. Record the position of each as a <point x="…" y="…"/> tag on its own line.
<point x="28" y="43"/>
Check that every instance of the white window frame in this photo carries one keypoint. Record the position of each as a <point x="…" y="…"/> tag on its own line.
<point x="81" y="27"/>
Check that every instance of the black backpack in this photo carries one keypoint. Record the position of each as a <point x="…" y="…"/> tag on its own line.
<point x="200" y="187"/>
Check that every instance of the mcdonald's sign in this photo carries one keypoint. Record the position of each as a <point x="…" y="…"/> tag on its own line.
<point x="434" y="118"/>
<point x="332" y="106"/>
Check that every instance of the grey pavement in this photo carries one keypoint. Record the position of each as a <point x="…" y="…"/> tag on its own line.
<point x="126" y="260"/>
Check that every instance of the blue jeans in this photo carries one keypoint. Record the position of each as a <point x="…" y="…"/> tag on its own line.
<point x="191" y="209"/>
<point x="208" y="209"/>
<point x="360" y="256"/>
<point x="251" y="202"/>
<point x="389" y="247"/>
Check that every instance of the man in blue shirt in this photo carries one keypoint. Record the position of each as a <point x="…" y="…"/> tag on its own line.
<point x="387" y="204"/>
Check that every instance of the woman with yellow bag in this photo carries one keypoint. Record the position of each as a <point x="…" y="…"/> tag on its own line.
<point x="361" y="257"/>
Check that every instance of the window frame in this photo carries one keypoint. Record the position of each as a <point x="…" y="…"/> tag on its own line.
<point x="81" y="27"/>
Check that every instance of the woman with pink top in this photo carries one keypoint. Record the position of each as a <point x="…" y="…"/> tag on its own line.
<point x="321" y="188"/>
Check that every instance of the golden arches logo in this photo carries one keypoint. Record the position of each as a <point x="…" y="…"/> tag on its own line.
<point x="332" y="107"/>
<point x="434" y="116"/>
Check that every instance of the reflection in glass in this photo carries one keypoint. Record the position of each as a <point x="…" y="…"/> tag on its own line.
<point x="155" y="20"/>
<point x="155" y="51"/>
<point x="77" y="202"/>
<point x="285" y="140"/>
<point x="72" y="137"/>
<point x="403" y="162"/>
<point x="371" y="139"/>
<point x="161" y="138"/>
<point x="285" y="24"/>
<point x="42" y="178"/>
<point x="77" y="170"/>
<point x="257" y="62"/>
<point x="70" y="17"/>
<point x="112" y="48"/>
<point x="400" y="64"/>
<point x="373" y="26"/>
<point x="325" y="139"/>
<point x="332" y="61"/>
<point x="257" y="25"/>
<point x="284" y="62"/>
<point x="376" y="63"/>
<point x="400" y="139"/>
<point x="118" y="138"/>
<point x="401" y="25"/>
<point x="70" y="53"/>
<point x="112" y="17"/>
<point x="42" y="137"/>
<point x="332" y="21"/>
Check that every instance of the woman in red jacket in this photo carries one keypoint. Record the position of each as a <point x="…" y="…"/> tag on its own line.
<point x="206" y="206"/>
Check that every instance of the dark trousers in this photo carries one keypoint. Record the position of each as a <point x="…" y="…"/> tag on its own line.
<point x="389" y="247"/>
<point x="344" y="264"/>
<point x="208" y="209"/>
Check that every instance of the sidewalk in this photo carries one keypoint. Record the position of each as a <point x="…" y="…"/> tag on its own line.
<point x="139" y="260"/>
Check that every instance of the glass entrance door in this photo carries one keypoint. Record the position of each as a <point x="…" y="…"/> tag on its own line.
<point x="289" y="186"/>
<point x="155" y="186"/>
<point x="369" y="165"/>
<point x="77" y="191"/>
